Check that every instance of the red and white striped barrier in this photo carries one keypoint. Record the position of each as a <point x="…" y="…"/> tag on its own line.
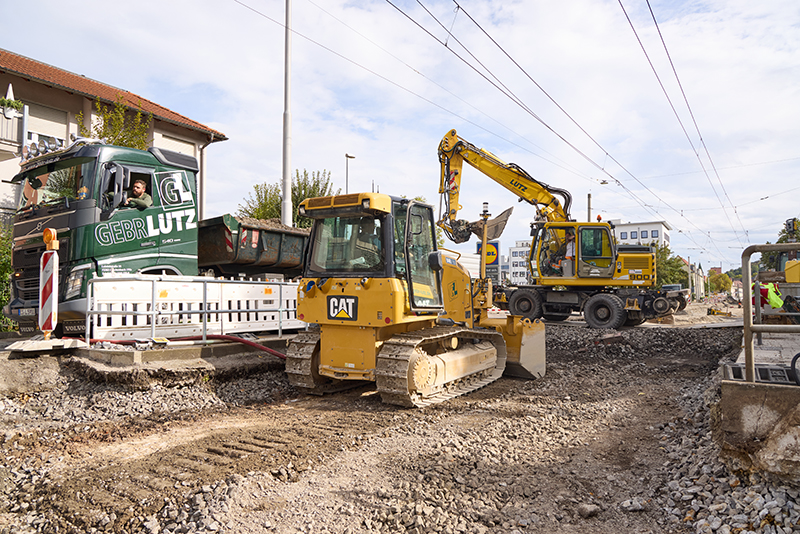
<point x="48" y="292"/>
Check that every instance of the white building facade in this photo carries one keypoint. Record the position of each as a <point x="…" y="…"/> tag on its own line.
<point x="641" y="233"/>
<point x="518" y="273"/>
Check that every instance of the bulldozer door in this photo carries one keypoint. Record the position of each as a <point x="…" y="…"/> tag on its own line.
<point x="595" y="253"/>
<point x="424" y="283"/>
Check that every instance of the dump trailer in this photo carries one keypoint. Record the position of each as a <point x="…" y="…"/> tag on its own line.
<point x="388" y="307"/>
<point x="82" y="191"/>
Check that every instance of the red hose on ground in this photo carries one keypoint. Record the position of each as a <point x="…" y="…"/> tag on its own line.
<point x="197" y="338"/>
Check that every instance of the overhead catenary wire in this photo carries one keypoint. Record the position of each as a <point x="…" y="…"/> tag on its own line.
<point x="640" y="201"/>
<point x="691" y="114"/>
<point x="572" y="119"/>
<point x="562" y="165"/>
<point x="601" y="168"/>
<point x="672" y="106"/>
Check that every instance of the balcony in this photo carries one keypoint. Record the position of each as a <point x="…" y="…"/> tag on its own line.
<point x="10" y="137"/>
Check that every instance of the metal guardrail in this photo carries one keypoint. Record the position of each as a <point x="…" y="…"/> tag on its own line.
<point x="749" y="327"/>
<point x="160" y="307"/>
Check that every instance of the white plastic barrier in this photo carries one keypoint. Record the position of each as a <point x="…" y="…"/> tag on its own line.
<point x="143" y="306"/>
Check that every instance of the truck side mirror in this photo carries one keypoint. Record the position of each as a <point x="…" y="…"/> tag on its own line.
<point x="122" y="181"/>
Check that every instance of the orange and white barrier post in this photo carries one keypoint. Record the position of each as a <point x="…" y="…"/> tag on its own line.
<point x="48" y="284"/>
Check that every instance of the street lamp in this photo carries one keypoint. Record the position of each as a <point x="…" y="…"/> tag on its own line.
<point x="347" y="158"/>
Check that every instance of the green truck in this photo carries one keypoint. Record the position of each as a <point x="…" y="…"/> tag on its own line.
<point x="82" y="191"/>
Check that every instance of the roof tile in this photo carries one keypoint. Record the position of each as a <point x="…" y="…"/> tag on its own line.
<point x="41" y="72"/>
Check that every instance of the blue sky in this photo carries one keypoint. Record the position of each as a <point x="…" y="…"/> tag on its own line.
<point x="369" y="81"/>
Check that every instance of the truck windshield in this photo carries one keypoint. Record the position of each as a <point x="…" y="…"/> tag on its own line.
<point x="348" y="244"/>
<point x="70" y="179"/>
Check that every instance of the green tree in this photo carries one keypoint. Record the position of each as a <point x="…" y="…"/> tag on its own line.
<point x="264" y="202"/>
<point x="772" y="260"/>
<point x="117" y="126"/>
<point x="720" y="283"/>
<point x="669" y="268"/>
<point x="5" y="273"/>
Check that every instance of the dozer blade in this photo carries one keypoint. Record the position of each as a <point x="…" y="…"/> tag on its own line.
<point x="526" y="350"/>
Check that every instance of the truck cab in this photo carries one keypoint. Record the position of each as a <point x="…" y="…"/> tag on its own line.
<point x="81" y="191"/>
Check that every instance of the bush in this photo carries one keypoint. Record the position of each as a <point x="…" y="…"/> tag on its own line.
<point x="5" y="274"/>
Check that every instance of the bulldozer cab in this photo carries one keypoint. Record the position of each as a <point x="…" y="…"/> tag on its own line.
<point x="375" y="236"/>
<point x="348" y="245"/>
<point x="561" y="253"/>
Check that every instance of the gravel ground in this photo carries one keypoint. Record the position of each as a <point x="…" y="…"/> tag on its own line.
<point x="616" y="438"/>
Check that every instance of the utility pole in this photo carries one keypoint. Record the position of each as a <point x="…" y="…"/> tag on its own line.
<point x="589" y="210"/>
<point x="286" y="202"/>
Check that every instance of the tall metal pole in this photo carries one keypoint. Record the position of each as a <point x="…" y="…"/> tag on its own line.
<point x="286" y="202"/>
<point x="347" y="158"/>
<point x="589" y="209"/>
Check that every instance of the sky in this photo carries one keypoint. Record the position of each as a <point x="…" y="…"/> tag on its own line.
<point x="583" y="95"/>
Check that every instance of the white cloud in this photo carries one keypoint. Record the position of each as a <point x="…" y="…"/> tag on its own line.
<point x="222" y="64"/>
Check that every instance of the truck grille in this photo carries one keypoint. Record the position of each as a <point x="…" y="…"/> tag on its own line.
<point x="28" y="288"/>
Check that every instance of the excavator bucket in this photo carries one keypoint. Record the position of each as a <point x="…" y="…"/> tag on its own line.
<point x="494" y="228"/>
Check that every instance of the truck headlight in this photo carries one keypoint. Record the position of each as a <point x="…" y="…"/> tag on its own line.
<point x="74" y="283"/>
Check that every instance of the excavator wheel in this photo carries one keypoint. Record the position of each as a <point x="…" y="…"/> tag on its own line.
<point x="525" y="302"/>
<point x="682" y="302"/>
<point x="604" y="310"/>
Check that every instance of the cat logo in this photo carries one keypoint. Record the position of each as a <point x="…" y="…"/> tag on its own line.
<point x="343" y="308"/>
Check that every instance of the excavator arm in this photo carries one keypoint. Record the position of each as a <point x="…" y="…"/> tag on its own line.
<point x="454" y="151"/>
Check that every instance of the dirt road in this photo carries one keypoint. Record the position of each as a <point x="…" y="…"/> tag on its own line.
<point x="609" y="441"/>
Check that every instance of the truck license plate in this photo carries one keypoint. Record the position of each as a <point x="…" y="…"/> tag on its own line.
<point x="27" y="312"/>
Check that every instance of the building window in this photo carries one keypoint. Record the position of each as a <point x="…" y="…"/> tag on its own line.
<point x="644" y="234"/>
<point x="623" y="235"/>
<point x="633" y="235"/>
<point x="654" y="234"/>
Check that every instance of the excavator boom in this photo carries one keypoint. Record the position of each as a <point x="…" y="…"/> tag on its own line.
<point x="454" y="151"/>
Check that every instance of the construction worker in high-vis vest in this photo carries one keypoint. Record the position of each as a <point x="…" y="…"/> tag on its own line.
<point x="770" y="293"/>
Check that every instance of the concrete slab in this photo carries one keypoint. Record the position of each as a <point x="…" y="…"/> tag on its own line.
<point x="758" y="424"/>
<point x="46" y="345"/>
<point x="176" y="365"/>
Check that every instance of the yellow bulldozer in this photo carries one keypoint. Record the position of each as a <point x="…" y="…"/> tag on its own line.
<point x="392" y="309"/>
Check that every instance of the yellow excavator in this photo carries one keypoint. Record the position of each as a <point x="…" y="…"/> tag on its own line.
<point x="388" y="307"/>
<point x="574" y="266"/>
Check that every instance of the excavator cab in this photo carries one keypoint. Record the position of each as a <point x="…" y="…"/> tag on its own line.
<point x="570" y="253"/>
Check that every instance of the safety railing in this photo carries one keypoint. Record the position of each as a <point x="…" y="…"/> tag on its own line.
<point x="141" y="306"/>
<point x="750" y="327"/>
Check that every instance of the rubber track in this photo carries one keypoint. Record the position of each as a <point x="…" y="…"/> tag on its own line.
<point x="393" y="361"/>
<point x="299" y="369"/>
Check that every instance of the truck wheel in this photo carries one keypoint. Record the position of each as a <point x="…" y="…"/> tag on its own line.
<point x="605" y="311"/>
<point x="525" y="302"/>
<point x="682" y="303"/>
